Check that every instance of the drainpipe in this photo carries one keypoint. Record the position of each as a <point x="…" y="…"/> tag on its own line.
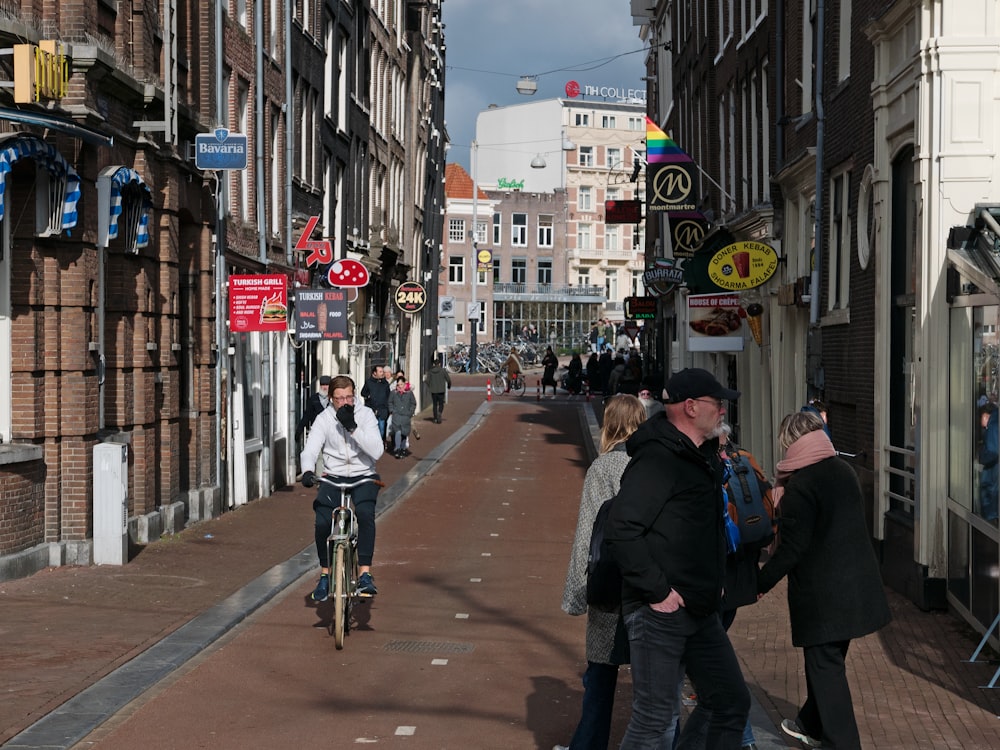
<point x="289" y="156"/>
<point x="258" y="33"/>
<point x="814" y="280"/>
<point x="779" y="86"/>
<point x="222" y="348"/>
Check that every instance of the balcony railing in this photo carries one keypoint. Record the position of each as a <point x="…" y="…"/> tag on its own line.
<point x="550" y="291"/>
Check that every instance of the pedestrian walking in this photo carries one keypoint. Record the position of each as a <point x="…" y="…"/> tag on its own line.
<point x="402" y="406"/>
<point x="550" y="362"/>
<point x="666" y="533"/>
<point x="438" y="383"/>
<point x="347" y="436"/>
<point x="835" y="591"/>
<point x="375" y="392"/>
<point x="607" y="642"/>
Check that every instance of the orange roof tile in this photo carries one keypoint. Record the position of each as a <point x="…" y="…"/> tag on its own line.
<point x="458" y="184"/>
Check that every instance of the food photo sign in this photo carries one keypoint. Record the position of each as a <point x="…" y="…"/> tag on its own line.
<point x="715" y="323"/>
<point x="258" y="302"/>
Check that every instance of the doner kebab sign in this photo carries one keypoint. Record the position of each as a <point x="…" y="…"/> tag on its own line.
<point x="742" y="265"/>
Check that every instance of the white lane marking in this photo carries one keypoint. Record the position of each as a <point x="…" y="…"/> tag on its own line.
<point x="461" y="616"/>
<point x="405" y="731"/>
<point x="439" y="662"/>
<point x="475" y="580"/>
<point x="487" y="554"/>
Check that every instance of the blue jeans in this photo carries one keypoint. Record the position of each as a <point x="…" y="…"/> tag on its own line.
<point x="381" y="427"/>
<point x="594" y="729"/>
<point x="662" y="646"/>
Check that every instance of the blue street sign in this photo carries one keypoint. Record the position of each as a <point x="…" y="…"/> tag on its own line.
<point x="220" y="150"/>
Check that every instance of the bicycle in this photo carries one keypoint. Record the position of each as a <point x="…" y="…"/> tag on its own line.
<point x="342" y="551"/>
<point x="515" y="385"/>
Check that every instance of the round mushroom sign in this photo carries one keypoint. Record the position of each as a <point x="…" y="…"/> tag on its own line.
<point x="348" y="274"/>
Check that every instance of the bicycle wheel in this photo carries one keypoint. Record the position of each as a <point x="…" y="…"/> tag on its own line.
<point x="352" y="584"/>
<point x="341" y="592"/>
<point x="517" y="386"/>
<point x="499" y="383"/>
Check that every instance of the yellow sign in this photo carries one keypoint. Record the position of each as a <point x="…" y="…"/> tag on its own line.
<point x="742" y="265"/>
<point x="40" y="72"/>
<point x="484" y="261"/>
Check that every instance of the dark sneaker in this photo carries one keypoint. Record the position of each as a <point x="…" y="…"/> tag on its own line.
<point x="790" y="728"/>
<point x="322" y="591"/>
<point x="366" y="585"/>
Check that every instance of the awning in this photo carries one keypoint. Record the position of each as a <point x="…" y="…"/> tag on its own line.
<point x="977" y="257"/>
<point x="19" y="145"/>
<point x="59" y="124"/>
<point x="128" y="181"/>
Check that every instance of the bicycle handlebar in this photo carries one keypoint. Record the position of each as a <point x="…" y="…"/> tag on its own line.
<point x="350" y="485"/>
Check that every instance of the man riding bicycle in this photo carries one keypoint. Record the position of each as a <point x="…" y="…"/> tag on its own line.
<point x="349" y="438"/>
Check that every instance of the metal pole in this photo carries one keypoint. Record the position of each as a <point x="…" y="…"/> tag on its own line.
<point x="474" y="322"/>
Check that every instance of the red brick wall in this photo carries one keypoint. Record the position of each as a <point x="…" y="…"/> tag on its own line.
<point x="22" y="506"/>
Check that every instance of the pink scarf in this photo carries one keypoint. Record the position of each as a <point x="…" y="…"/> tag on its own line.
<point x="809" y="449"/>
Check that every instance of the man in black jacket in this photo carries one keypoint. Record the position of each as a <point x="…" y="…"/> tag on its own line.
<point x="666" y="533"/>
<point x="315" y="405"/>
<point x="375" y="392"/>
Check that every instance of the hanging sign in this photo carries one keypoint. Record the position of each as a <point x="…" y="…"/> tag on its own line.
<point x="484" y="260"/>
<point x="742" y="265"/>
<point x="321" y="314"/>
<point x="320" y="251"/>
<point x="410" y="297"/>
<point x="258" y="302"/>
<point x="220" y="150"/>
<point x="640" y="308"/>
<point x="714" y="323"/>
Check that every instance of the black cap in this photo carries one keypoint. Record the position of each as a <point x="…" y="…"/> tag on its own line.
<point x="697" y="383"/>
<point x="324" y="380"/>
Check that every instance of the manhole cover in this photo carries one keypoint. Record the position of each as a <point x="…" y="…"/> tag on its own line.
<point x="428" y="647"/>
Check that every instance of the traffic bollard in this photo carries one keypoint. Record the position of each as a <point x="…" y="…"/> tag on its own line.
<point x="538" y="390"/>
<point x="489" y="389"/>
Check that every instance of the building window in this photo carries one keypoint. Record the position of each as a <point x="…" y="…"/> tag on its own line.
<point x="519" y="230"/>
<point x="584" y="236"/>
<point x="638" y="289"/>
<point x="613" y="237"/>
<point x="496" y="269"/>
<point x="636" y="123"/>
<point x="585" y="198"/>
<point x="838" y="294"/>
<point x="583" y="276"/>
<point x="614" y="157"/>
<point x="456" y="269"/>
<point x="456" y="230"/>
<point x="545" y="230"/>
<point x="844" y="52"/>
<point x="482" y="231"/>
<point x="611" y="285"/>
<point x="613" y="194"/>
<point x="545" y="271"/>
<point x="519" y="270"/>
<point x="582" y="119"/>
<point x="586" y="156"/>
<point x="609" y="122"/>
<point x="497" y="229"/>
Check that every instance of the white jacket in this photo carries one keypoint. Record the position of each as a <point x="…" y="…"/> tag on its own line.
<point x="345" y="454"/>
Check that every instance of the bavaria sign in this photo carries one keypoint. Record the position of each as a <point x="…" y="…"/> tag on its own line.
<point x="220" y="150"/>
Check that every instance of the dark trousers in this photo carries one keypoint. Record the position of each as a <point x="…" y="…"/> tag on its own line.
<point x="828" y="712"/>
<point x="438" y="401"/>
<point x="661" y="646"/>
<point x="327" y="499"/>
<point x="594" y="729"/>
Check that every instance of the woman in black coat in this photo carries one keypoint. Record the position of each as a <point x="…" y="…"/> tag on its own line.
<point x="550" y="362"/>
<point x="835" y="590"/>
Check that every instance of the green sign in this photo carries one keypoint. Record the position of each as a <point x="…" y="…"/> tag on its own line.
<point x="506" y="184"/>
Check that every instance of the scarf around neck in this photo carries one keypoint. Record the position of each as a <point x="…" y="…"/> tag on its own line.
<point x="809" y="449"/>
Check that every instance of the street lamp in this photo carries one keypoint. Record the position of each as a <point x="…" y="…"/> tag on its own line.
<point x="527" y="85"/>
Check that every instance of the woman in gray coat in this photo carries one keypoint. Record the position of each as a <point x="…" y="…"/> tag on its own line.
<point x="607" y="642"/>
<point x="402" y="406"/>
<point x="835" y="590"/>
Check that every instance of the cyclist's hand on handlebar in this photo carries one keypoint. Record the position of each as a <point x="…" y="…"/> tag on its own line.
<point x="308" y="479"/>
<point x="345" y="415"/>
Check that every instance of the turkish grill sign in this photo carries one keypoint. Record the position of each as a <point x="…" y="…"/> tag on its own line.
<point x="258" y="302"/>
<point x="321" y="314"/>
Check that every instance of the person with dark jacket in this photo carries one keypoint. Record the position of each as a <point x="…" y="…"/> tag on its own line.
<point x="835" y="591"/>
<point x="375" y="392"/>
<point x="574" y="375"/>
<point x="314" y="406"/>
<point x="550" y="362"/>
<point x="402" y="406"/>
<point x="438" y="381"/>
<point x="666" y="533"/>
<point x="607" y="363"/>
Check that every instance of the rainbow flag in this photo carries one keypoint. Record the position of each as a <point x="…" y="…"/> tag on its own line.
<point x="660" y="148"/>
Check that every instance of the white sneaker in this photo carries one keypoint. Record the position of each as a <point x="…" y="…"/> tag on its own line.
<point x="790" y="728"/>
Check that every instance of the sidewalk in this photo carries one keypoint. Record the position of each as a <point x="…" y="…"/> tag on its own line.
<point x="65" y="629"/>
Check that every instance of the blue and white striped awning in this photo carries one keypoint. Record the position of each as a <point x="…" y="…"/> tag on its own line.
<point x="119" y="180"/>
<point x="20" y="145"/>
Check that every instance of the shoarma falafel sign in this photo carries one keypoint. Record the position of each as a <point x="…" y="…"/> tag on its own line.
<point x="258" y="302"/>
<point x="742" y="265"/>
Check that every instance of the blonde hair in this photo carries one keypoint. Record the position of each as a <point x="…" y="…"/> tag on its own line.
<point x="796" y="425"/>
<point x="623" y="414"/>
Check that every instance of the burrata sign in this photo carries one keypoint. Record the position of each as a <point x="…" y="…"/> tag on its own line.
<point x="743" y="265"/>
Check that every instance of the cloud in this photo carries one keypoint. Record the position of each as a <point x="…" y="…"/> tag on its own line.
<point x="491" y="44"/>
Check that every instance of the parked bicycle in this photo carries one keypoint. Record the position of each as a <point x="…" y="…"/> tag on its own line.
<point x="342" y="548"/>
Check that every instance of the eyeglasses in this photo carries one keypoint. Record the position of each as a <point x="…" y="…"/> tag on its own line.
<point x="343" y="399"/>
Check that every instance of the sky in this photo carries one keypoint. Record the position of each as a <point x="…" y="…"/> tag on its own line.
<point x="491" y="43"/>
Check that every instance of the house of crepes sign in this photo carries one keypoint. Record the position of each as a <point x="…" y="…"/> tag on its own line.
<point x="220" y="150"/>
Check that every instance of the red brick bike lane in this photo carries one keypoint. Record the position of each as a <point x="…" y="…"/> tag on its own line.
<point x="465" y="645"/>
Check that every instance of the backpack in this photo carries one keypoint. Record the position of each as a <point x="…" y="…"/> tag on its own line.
<point x="604" y="580"/>
<point x="750" y="503"/>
